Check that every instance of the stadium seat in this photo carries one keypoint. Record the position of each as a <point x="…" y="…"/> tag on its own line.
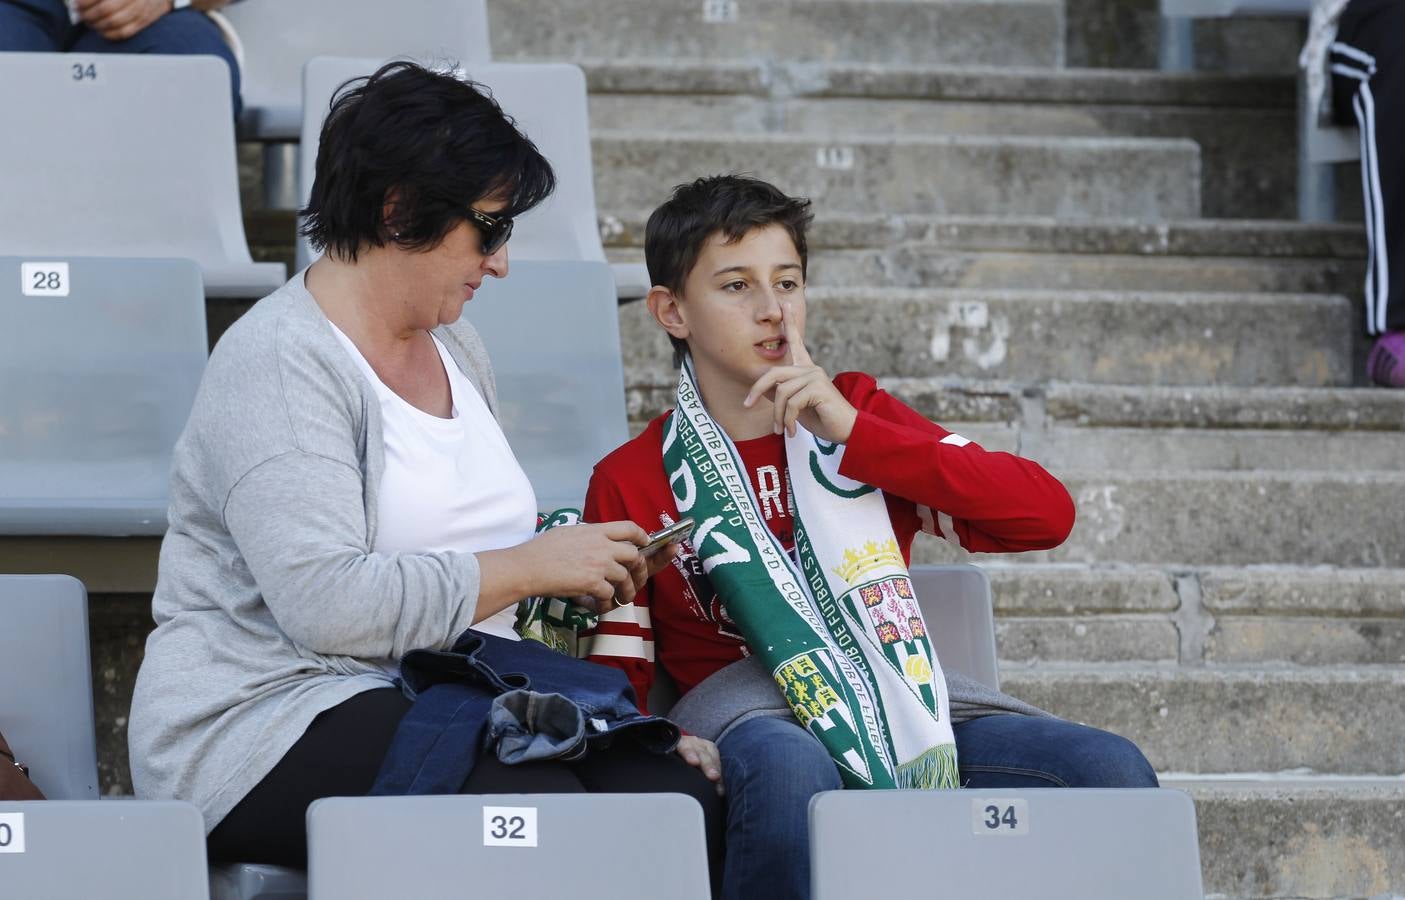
<point x="99" y="363"/>
<point x="1318" y="145"/>
<point x="552" y="332"/>
<point x="279" y="37"/>
<point x="114" y="849"/>
<point x="548" y="100"/>
<point x="46" y="689"/>
<point x="125" y="156"/>
<point x="956" y="605"/>
<point x="527" y="847"/>
<point x="1053" y="843"/>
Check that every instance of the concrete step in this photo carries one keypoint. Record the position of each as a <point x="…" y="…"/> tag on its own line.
<point x="1229" y="117"/>
<point x="1329" y="721"/>
<point x="955" y="32"/>
<point x="1267" y="615"/>
<point x="1088" y="426"/>
<point x="1320" y="838"/>
<point x="923" y="265"/>
<point x="1173" y="519"/>
<point x="1072" y="178"/>
<point x="1034" y="336"/>
<point x="1204" y="239"/>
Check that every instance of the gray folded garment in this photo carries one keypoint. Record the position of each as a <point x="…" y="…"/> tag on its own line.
<point x="745" y="690"/>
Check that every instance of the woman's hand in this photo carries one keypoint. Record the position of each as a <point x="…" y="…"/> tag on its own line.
<point x="703" y="754"/>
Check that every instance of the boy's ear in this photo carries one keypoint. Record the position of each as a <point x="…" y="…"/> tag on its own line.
<point x="667" y="311"/>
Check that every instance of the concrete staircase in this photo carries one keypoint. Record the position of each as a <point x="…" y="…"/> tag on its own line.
<point x="1089" y="267"/>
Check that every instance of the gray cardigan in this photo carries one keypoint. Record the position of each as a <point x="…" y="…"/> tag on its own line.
<point x="270" y="606"/>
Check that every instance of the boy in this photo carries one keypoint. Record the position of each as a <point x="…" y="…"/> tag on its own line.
<point x="727" y="257"/>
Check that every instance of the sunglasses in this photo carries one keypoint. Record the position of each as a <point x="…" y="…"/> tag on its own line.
<point x="495" y="229"/>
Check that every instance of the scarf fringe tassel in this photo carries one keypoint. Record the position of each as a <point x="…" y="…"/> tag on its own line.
<point x="934" y="769"/>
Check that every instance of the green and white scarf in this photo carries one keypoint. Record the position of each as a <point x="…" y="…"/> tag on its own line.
<point x="554" y="621"/>
<point x="840" y="630"/>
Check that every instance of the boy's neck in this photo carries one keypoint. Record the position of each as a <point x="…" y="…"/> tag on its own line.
<point x="724" y="403"/>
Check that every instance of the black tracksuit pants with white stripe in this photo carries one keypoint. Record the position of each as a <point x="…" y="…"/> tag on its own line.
<point x="1368" y="89"/>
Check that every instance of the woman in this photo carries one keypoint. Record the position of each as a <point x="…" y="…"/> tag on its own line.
<point x="342" y="493"/>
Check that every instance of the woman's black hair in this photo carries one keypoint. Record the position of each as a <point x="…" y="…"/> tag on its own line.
<point x="427" y="143"/>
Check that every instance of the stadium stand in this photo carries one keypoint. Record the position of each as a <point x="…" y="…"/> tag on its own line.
<point x="99" y="363"/>
<point x="1065" y="844"/>
<point x="548" y="101"/>
<point x="137" y="161"/>
<point x="114" y="849"/>
<point x="520" y="845"/>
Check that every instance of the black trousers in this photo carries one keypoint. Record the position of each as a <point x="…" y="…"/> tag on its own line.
<point x="1368" y="88"/>
<point x="341" y="753"/>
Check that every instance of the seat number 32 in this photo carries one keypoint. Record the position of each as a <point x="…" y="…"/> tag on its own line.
<point x="509" y="826"/>
<point x="1001" y="816"/>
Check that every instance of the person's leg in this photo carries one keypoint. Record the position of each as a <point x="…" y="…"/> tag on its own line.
<point x="1369" y="79"/>
<point x="338" y="756"/>
<point x="1030" y="751"/>
<point x="33" y="26"/>
<point x="771" y="767"/>
<point x="185" y="32"/>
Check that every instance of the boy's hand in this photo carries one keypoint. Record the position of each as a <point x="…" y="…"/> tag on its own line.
<point x="803" y="392"/>
<point x="703" y="754"/>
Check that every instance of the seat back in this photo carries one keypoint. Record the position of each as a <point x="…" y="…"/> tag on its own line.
<point x="552" y="331"/>
<point x="115" y="849"/>
<point x="1055" y="844"/>
<point x="279" y="37"/>
<point x="548" y="102"/>
<point x="122" y="155"/>
<point x="46" y="689"/>
<point x="524" y="846"/>
<point x="957" y="608"/>
<point x="97" y="378"/>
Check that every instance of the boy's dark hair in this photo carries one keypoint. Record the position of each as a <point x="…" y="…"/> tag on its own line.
<point x="439" y="143"/>
<point x="732" y="204"/>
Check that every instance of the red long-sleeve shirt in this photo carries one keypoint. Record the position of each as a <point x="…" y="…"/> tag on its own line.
<point x="933" y="481"/>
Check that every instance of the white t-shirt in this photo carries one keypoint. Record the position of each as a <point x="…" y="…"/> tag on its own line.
<point x="449" y="484"/>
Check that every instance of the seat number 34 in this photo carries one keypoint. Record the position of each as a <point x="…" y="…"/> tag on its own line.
<point x="1006" y="816"/>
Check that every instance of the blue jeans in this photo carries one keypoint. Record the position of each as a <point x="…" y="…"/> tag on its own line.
<point x="42" y="26"/>
<point x="771" y="767"/>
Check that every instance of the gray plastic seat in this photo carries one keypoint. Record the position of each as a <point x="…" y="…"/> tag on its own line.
<point x="1051" y="843"/>
<point x="377" y="847"/>
<point x="279" y="37"/>
<point x="114" y="849"/>
<point x="957" y="607"/>
<point x="548" y="100"/>
<point x="135" y="161"/>
<point x="551" y="329"/>
<point x="95" y="388"/>
<point x="46" y="688"/>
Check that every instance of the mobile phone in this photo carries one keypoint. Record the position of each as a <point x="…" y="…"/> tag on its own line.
<point x="665" y="536"/>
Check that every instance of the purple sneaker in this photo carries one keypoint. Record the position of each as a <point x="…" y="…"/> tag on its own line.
<point x="1386" y="361"/>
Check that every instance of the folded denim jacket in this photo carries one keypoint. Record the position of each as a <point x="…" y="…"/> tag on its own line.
<point x="519" y="699"/>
